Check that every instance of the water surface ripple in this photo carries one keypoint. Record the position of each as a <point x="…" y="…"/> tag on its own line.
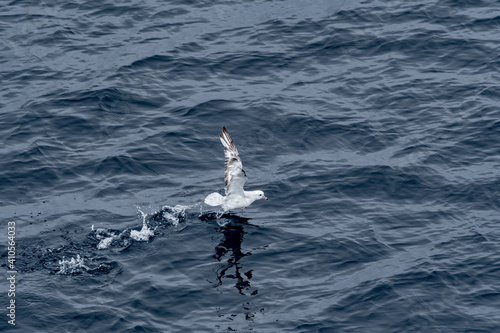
<point x="372" y="126"/>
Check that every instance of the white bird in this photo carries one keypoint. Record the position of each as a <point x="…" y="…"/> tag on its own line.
<point x="234" y="179"/>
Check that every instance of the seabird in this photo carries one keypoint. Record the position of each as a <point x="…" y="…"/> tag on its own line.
<point x="234" y="179"/>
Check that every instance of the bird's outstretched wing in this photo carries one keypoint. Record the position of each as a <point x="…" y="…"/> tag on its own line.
<point x="234" y="176"/>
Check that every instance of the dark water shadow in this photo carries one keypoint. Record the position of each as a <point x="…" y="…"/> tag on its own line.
<point x="232" y="227"/>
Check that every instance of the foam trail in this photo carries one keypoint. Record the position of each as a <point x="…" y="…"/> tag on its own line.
<point x="150" y="222"/>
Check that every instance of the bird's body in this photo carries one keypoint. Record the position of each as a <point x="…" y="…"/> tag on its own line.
<point x="230" y="202"/>
<point x="234" y="178"/>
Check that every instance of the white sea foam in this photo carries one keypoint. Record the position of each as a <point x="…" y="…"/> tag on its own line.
<point x="145" y="233"/>
<point x="173" y="214"/>
<point x="107" y="238"/>
<point x="72" y="266"/>
<point x="105" y="243"/>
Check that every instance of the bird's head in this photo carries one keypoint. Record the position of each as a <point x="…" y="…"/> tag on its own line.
<point x="260" y="195"/>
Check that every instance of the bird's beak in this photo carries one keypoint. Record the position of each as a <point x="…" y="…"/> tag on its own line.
<point x="265" y="198"/>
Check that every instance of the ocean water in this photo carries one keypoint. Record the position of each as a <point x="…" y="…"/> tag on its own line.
<point x="372" y="126"/>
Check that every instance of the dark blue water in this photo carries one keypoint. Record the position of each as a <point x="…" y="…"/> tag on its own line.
<point x="372" y="126"/>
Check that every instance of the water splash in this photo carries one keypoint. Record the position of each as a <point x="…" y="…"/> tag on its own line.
<point x="150" y="223"/>
<point x="145" y="233"/>
<point x="174" y="214"/>
<point x="106" y="237"/>
<point x="105" y="243"/>
<point x="72" y="266"/>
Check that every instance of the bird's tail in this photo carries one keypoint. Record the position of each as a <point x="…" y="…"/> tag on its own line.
<point x="214" y="199"/>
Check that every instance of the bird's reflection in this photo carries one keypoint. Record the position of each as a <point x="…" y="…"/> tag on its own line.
<point x="233" y="229"/>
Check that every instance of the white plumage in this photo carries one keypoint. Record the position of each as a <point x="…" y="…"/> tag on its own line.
<point x="234" y="179"/>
